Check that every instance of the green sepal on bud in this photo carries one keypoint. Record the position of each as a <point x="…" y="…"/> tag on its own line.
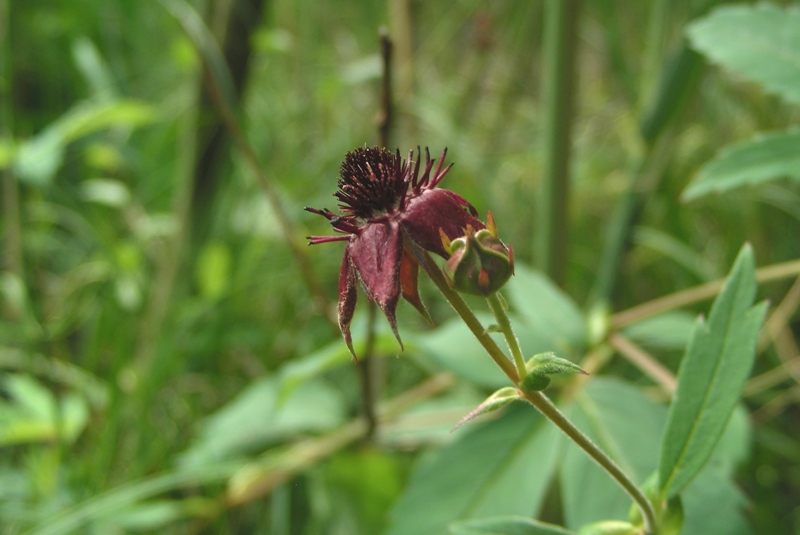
<point x="479" y="263"/>
<point x="541" y="366"/>
<point x="497" y="400"/>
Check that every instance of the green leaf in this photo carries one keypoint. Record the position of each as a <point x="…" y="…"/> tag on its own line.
<point x="361" y="484"/>
<point x="38" y="158"/>
<point x="151" y="516"/>
<point x="206" y="44"/>
<point x="712" y="373"/>
<point x="670" y="330"/>
<point x="500" y="468"/>
<point x="760" y="43"/>
<point x="257" y="418"/>
<point x="113" y="193"/>
<point x="714" y="491"/>
<point x="543" y="365"/>
<point x="335" y="355"/>
<point x="94" y="68"/>
<point x="33" y="414"/>
<point x="766" y="157"/>
<point x="99" y="506"/>
<point x="506" y="525"/>
<point x="553" y="322"/>
<point x="453" y="347"/>
<point x="627" y="425"/>
<point x="693" y="260"/>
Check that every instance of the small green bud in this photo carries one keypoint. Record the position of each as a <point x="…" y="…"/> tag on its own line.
<point x="541" y="366"/>
<point x="479" y="263"/>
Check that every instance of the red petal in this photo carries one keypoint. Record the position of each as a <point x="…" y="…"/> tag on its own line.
<point x="376" y="255"/>
<point x="436" y="209"/>
<point x="409" y="270"/>
<point x="347" y="300"/>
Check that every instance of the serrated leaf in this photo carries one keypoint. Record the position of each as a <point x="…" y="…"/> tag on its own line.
<point x="760" y="43"/>
<point x="766" y="157"/>
<point x="506" y="525"/>
<point x="500" y="468"/>
<point x="712" y="373"/>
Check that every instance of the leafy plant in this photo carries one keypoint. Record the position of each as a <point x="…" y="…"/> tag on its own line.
<point x="758" y="44"/>
<point x="170" y="356"/>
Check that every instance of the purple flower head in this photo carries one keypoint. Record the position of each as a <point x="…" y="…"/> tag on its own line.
<point x="384" y="201"/>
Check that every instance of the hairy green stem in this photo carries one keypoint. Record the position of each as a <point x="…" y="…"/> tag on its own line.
<point x="501" y="315"/>
<point x="551" y="412"/>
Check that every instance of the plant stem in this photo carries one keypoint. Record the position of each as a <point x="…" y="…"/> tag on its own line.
<point x="501" y="315"/>
<point x="551" y="412"/>
<point x="463" y="310"/>
<point x="693" y="295"/>
<point x="515" y="374"/>
<point x="561" y="17"/>
<point x="220" y="91"/>
<point x="12" y="244"/>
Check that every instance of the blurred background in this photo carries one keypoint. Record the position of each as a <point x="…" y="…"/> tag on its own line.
<point x="158" y="296"/>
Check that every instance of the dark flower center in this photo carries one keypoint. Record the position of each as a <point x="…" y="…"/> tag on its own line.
<point x="372" y="182"/>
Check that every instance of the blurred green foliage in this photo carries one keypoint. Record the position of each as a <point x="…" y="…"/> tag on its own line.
<point x="167" y="365"/>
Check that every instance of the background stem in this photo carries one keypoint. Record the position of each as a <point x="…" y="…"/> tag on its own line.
<point x="371" y="368"/>
<point x="12" y="243"/>
<point x="559" y="81"/>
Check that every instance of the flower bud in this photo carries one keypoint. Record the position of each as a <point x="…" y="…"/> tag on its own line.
<point x="479" y="263"/>
<point x="541" y="366"/>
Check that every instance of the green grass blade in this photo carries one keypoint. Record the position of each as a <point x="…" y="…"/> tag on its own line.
<point x="194" y="26"/>
<point x="766" y="157"/>
<point x="712" y="373"/>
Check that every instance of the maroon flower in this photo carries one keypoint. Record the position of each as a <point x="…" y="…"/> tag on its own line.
<point x="384" y="201"/>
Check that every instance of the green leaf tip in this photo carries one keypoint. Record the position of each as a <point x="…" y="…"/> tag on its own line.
<point x="543" y="365"/>
<point x="766" y="157"/>
<point x="497" y="400"/>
